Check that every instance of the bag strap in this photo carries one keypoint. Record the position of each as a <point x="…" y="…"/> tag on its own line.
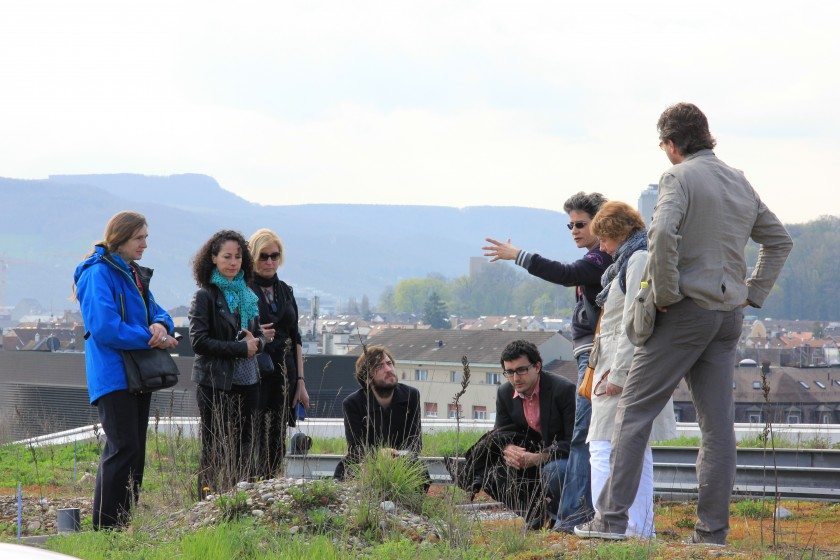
<point x="598" y="323"/>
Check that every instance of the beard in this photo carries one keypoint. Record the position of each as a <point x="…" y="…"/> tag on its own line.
<point x="383" y="388"/>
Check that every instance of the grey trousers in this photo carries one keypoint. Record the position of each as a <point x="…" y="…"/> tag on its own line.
<point x="699" y="345"/>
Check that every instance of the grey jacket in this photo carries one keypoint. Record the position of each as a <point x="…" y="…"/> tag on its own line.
<point x="705" y="214"/>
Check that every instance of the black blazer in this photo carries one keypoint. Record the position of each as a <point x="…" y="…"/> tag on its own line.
<point x="557" y="413"/>
<point x="213" y="331"/>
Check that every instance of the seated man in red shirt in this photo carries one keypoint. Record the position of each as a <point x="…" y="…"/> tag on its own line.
<point x="522" y="461"/>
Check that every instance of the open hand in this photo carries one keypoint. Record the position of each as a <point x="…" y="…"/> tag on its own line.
<point x="499" y="250"/>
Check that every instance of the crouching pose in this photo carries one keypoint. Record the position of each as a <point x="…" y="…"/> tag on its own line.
<point x="383" y="414"/>
<point x="522" y="461"/>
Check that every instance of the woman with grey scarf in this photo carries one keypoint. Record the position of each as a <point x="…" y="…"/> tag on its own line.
<point x="622" y="235"/>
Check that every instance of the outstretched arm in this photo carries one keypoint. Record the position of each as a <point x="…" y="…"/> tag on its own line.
<point x="499" y="250"/>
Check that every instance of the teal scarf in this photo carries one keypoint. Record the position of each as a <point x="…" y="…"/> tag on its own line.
<point x="238" y="295"/>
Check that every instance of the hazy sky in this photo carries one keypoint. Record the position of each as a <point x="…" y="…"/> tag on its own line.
<point x="444" y="103"/>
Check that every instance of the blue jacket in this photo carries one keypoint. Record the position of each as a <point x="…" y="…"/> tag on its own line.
<point x="116" y="317"/>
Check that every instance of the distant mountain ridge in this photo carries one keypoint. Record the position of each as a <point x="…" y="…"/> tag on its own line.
<point x="46" y="226"/>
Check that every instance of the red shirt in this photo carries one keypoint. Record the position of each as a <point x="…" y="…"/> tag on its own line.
<point x="531" y="406"/>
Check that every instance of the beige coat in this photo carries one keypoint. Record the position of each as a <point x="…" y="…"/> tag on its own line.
<point x="614" y="356"/>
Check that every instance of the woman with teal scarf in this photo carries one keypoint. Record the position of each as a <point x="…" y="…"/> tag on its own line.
<point x="225" y="335"/>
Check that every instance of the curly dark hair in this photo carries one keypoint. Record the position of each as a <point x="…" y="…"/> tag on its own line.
<point x="519" y="348"/>
<point x="203" y="260"/>
<point x="687" y="127"/>
<point x="582" y="202"/>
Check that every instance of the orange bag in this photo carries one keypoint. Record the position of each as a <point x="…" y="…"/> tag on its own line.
<point x="585" y="388"/>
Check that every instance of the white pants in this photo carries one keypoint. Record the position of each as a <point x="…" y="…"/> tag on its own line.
<point x="640" y="515"/>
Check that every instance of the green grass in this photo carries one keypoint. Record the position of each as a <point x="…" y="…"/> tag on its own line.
<point x="172" y="461"/>
<point x="624" y="551"/>
<point x="682" y="441"/>
<point x="449" y="444"/>
<point x="244" y="540"/>
<point x="780" y="441"/>
<point x="45" y="465"/>
<point x="439" y="444"/>
<point x="754" y="509"/>
<point x="328" y="446"/>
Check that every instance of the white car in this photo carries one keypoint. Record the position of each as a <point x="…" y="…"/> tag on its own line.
<point x="20" y="552"/>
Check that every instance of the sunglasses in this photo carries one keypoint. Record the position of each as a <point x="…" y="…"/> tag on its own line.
<point x="273" y="256"/>
<point x="570" y="225"/>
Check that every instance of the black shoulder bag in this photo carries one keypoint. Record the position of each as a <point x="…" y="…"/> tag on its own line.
<point x="148" y="369"/>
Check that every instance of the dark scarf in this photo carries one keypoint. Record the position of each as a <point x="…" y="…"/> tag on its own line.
<point x="636" y="242"/>
<point x="263" y="282"/>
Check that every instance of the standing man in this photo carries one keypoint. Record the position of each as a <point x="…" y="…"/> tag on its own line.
<point x="585" y="275"/>
<point x="705" y="214"/>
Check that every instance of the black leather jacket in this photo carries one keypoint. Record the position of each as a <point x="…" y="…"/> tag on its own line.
<point x="213" y="331"/>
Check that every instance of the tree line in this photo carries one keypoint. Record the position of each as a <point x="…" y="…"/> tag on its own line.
<point x="808" y="287"/>
<point x="498" y="289"/>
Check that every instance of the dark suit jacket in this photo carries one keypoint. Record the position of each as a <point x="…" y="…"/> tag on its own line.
<point x="557" y="413"/>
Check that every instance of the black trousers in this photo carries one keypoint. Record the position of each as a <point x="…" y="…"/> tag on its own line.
<point x="273" y="417"/>
<point x="125" y="419"/>
<point x="227" y="442"/>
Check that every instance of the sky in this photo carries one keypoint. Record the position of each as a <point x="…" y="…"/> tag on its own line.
<point x="431" y="102"/>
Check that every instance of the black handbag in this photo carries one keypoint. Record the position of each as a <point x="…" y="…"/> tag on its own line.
<point x="149" y="370"/>
<point x="265" y="364"/>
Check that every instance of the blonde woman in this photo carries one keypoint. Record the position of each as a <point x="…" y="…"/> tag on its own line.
<point x="283" y="389"/>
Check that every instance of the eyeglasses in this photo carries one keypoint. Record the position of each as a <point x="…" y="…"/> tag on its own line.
<point x="273" y="256"/>
<point x="579" y="225"/>
<point x="662" y="144"/>
<point x="520" y="371"/>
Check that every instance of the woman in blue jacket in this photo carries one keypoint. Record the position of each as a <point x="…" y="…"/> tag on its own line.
<point x="120" y="313"/>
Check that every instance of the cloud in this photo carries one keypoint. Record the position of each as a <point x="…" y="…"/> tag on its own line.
<point x="420" y="102"/>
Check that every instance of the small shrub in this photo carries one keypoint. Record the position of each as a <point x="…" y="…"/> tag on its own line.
<point x="395" y="549"/>
<point x="280" y="510"/>
<point x="233" y="506"/>
<point x="761" y="441"/>
<point x="684" y="523"/>
<point x="754" y="509"/>
<point x="317" y="493"/>
<point x="818" y="442"/>
<point x="398" y="479"/>
<point x="319" y="518"/>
